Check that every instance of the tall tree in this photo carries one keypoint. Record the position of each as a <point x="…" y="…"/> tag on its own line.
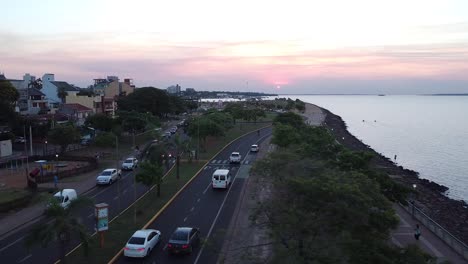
<point x="100" y="121"/>
<point x="65" y="224"/>
<point x="62" y="94"/>
<point x="64" y="135"/>
<point x="150" y="174"/>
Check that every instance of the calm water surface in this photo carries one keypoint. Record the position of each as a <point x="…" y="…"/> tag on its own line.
<point x="429" y="134"/>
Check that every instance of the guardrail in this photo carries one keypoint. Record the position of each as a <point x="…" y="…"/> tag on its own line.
<point x="453" y="242"/>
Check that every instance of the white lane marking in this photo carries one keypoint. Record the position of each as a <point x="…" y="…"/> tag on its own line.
<point x="116" y="197"/>
<point x="225" y="161"/>
<point x="206" y="189"/>
<point x="193" y="208"/>
<point x="198" y="200"/>
<point x="90" y="215"/>
<point x="125" y="191"/>
<point x="12" y="243"/>
<point x="214" y="222"/>
<point x="213" y="161"/>
<point x="185" y="219"/>
<point x="25" y="258"/>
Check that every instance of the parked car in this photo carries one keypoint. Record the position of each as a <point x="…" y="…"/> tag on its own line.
<point x="183" y="240"/>
<point x="167" y="134"/>
<point x="254" y="148"/>
<point x="141" y="243"/>
<point x="65" y="196"/>
<point x="20" y="140"/>
<point x="173" y="130"/>
<point x="85" y="141"/>
<point x="108" y="176"/>
<point x="235" y="157"/>
<point x="130" y="164"/>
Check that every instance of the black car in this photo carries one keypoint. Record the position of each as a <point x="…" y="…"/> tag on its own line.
<point x="183" y="240"/>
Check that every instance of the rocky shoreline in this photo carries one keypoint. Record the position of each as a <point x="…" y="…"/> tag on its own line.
<point x="450" y="214"/>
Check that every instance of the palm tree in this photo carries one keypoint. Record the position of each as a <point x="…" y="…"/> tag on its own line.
<point x="65" y="223"/>
<point x="150" y="174"/>
<point x="62" y="94"/>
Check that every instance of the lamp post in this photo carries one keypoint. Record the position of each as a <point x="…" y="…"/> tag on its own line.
<point x="45" y="147"/>
<point x="56" y="165"/>
<point x="412" y="200"/>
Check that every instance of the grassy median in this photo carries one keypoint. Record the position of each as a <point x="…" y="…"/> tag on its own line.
<point x="124" y="226"/>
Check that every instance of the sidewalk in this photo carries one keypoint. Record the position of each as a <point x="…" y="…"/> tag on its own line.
<point x="29" y="215"/>
<point x="403" y="235"/>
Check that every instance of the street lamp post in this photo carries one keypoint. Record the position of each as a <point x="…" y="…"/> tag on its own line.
<point x="46" y="152"/>
<point x="412" y="200"/>
<point x="56" y="165"/>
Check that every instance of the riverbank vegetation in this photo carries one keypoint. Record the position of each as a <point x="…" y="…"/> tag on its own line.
<point x="327" y="205"/>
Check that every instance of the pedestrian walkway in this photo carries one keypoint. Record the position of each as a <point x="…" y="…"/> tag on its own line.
<point x="403" y="235"/>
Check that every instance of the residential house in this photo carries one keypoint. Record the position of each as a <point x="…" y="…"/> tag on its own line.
<point x="111" y="87"/>
<point x="98" y="103"/>
<point x="76" y="113"/>
<point x="52" y="89"/>
<point x="32" y="102"/>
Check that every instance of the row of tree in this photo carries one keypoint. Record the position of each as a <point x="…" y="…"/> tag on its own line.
<point x="328" y="204"/>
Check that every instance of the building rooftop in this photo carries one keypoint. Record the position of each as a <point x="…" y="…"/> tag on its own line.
<point x="67" y="87"/>
<point x="35" y="92"/>
<point x="77" y="107"/>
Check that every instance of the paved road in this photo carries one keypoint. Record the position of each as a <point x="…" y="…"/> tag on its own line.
<point x="13" y="250"/>
<point x="201" y="206"/>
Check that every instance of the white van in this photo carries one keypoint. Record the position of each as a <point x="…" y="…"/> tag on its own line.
<point x="221" y="179"/>
<point x="65" y="196"/>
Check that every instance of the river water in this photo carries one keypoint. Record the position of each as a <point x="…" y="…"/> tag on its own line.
<point x="429" y="134"/>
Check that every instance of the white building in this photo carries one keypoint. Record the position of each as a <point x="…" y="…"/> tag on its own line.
<point x="173" y="89"/>
<point x="51" y="89"/>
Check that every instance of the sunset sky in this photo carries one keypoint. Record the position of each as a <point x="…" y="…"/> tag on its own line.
<point x="359" y="46"/>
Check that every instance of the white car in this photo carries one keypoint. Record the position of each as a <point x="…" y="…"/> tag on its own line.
<point x="141" y="243"/>
<point x="235" y="157"/>
<point x="254" y="148"/>
<point x="108" y="176"/>
<point x="129" y="164"/>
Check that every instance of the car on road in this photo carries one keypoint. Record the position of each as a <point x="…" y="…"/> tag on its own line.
<point x="108" y="176"/>
<point x="130" y="164"/>
<point x="65" y="196"/>
<point x="221" y="179"/>
<point x="183" y="240"/>
<point x="235" y="157"/>
<point x="142" y="243"/>
<point x="173" y="130"/>
<point x="254" y="148"/>
<point x="167" y="134"/>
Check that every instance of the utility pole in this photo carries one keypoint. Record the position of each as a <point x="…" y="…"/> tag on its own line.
<point x="198" y="131"/>
<point x="30" y="140"/>
<point x="27" y="156"/>
<point x="117" y="168"/>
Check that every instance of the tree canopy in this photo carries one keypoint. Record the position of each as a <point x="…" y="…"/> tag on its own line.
<point x="328" y="205"/>
<point x="152" y="100"/>
<point x="64" y="135"/>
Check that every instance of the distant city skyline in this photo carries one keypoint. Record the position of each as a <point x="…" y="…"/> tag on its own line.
<point x="285" y="47"/>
